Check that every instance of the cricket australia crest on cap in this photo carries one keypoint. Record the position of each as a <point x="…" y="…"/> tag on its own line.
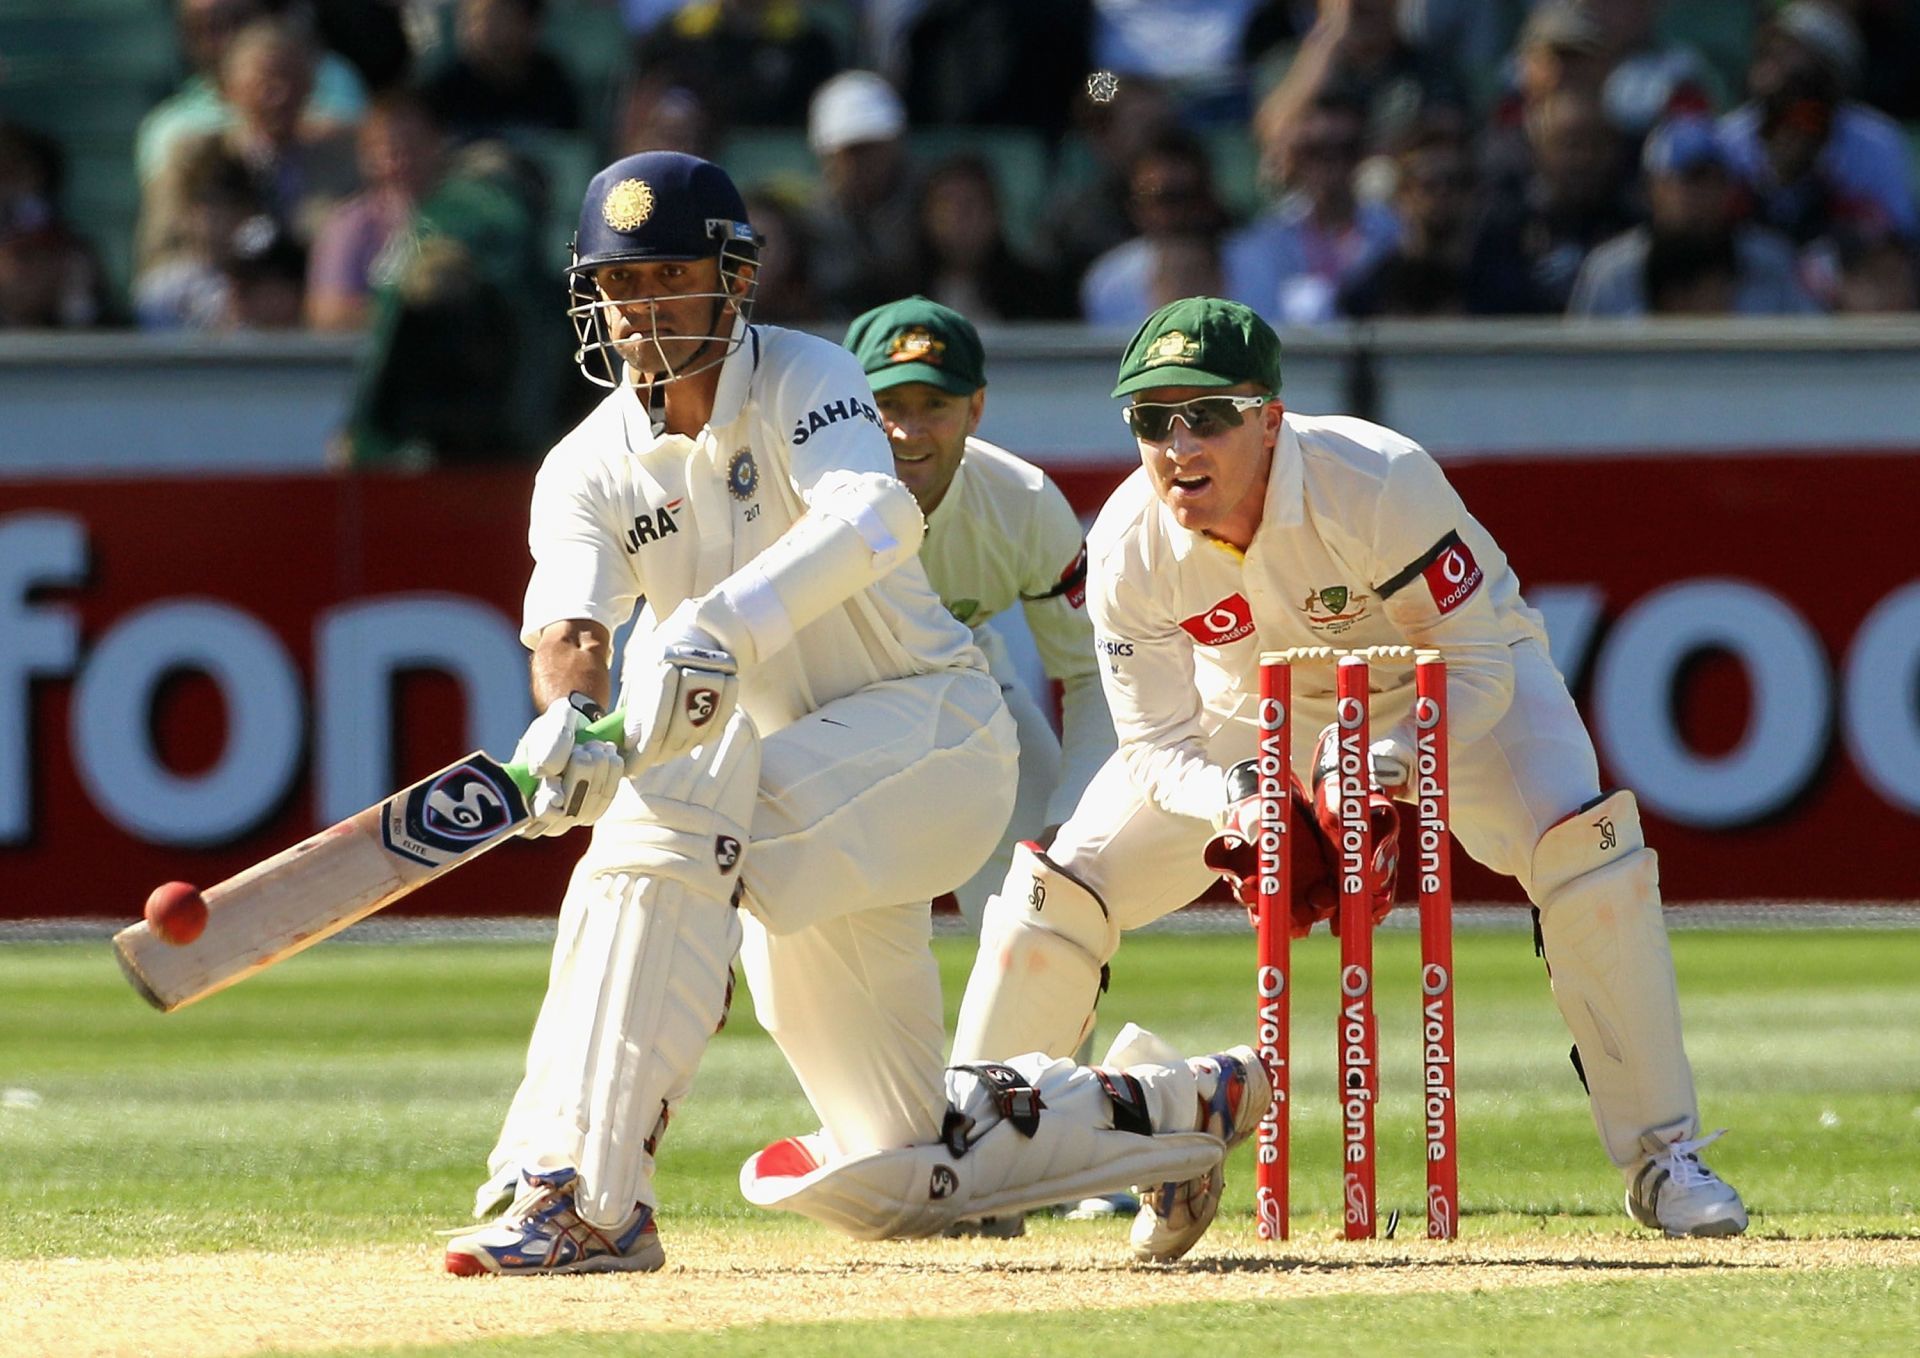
<point x="628" y="204"/>
<point x="916" y="344"/>
<point x="1172" y="347"/>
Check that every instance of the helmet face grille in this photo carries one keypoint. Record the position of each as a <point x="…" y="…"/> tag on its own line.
<point x="602" y="362"/>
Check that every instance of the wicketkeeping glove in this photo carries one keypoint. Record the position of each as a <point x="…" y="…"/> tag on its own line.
<point x="1233" y="852"/>
<point x="577" y="781"/>
<point x="1383" y="866"/>
<point x="681" y="688"/>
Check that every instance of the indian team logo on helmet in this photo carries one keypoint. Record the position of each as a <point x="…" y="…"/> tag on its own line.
<point x="916" y="344"/>
<point x="1176" y="346"/>
<point x="628" y="204"/>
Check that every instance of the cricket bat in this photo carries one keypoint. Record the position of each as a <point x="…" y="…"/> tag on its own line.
<point x="291" y="901"/>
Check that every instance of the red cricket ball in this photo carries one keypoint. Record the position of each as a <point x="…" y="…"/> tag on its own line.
<point x="177" y="912"/>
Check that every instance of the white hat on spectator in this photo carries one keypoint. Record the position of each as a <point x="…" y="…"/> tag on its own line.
<point x="1829" y="34"/>
<point x="854" y="107"/>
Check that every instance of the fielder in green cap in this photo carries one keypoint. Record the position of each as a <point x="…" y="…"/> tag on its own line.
<point x="1250" y="528"/>
<point x="1000" y="533"/>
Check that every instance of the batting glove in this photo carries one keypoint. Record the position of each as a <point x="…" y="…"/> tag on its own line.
<point x="682" y="685"/>
<point x="577" y="781"/>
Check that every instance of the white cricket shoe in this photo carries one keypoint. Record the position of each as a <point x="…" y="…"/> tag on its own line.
<point x="542" y="1233"/>
<point x="1173" y="1216"/>
<point x="1672" y="1190"/>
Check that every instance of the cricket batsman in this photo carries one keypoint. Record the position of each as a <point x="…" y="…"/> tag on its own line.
<point x="1248" y="528"/>
<point x="999" y="532"/>
<point x="813" y="747"/>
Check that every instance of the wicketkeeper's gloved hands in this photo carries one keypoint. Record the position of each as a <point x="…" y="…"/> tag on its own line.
<point x="577" y="781"/>
<point x="1383" y="866"/>
<point x="1233" y="852"/>
<point x="681" y="686"/>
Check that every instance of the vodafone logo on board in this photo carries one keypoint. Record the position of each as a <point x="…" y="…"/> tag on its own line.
<point x="1229" y="620"/>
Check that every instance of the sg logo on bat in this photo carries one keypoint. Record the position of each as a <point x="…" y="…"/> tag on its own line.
<point x="450" y="814"/>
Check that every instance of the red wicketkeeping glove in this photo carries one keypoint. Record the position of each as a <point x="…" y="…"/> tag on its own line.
<point x="1233" y="852"/>
<point x="1384" y="817"/>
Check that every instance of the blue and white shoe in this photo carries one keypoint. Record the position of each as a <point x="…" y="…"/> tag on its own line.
<point x="541" y="1232"/>
<point x="1672" y="1190"/>
<point x="1235" y="1095"/>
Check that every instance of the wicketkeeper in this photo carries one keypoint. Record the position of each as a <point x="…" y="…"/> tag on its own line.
<point x="1249" y="528"/>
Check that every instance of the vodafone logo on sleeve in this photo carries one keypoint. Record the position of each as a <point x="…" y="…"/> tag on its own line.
<point x="1453" y="576"/>
<point x="1227" y="621"/>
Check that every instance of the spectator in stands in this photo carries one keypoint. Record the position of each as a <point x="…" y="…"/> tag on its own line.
<point x="1561" y="48"/>
<point x="49" y="275"/>
<point x="863" y="222"/>
<point x="207" y="27"/>
<point x="1195" y="48"/>
<point x="265" y="78"/>
<point x="751" y="63"/>
<point x="1425" y="274"/>
<point x="965" y="261"/>
<point x="996" y="63"/>
<point x="1291" y="264"/>
<point x="783" y="282"/>
<point x="265" y="272"/>
<point x="1691" y="226"/>
<point x="1354" y="53"/>
<point x="501" y="81"/>
<point x="1086" y="218"/>
<point x="187" y="286"/>
<point x="1170" y="196"/>
<point x="1647" y="80"/>
<point x="1531" y="242"/>
<point x="654" y="117"/>
<point x="369" y="34"/>
<point x="1813" y="158"/>
<point x="400" y="160"/>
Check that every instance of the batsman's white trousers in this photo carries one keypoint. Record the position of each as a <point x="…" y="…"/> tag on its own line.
<point x="868" y="808"/>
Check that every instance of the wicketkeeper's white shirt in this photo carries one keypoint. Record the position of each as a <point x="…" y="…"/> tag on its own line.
<point x="1363" y="543"/>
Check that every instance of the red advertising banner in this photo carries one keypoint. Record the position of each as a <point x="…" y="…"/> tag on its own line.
<point x="197" y="673"/>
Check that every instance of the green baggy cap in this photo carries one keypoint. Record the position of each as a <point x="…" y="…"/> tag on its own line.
<point x="1201" y="342"/>
<point x="918" y="340"/>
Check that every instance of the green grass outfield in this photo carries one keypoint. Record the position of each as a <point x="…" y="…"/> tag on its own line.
<point x="345" y="1101"/>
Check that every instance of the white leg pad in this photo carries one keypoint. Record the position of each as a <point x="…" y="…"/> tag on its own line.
<point x="1043" y="944"/>
<point x="641" y="974"/>
<point x="1075" y="1143"/>
<point x="1598" y="888"/>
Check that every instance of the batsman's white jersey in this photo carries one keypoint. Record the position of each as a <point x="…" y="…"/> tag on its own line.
<point x="1362" y="543"/>
<point x="1003" y="534"/>
<point x="885" y="771"/>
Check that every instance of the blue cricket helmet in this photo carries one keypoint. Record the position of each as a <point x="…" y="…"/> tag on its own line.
<point x="656" y="207"/>
<point x="661" y="205"/>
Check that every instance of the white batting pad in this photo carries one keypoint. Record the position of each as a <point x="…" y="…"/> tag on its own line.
<point x="1606" y="943"/>
<point x="1037" y="977"/>
<point x="1029" y="1132"/>
<point x="639" y="982"/>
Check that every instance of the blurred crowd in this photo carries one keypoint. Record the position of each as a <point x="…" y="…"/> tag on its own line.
<point x="413" y="165"/>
